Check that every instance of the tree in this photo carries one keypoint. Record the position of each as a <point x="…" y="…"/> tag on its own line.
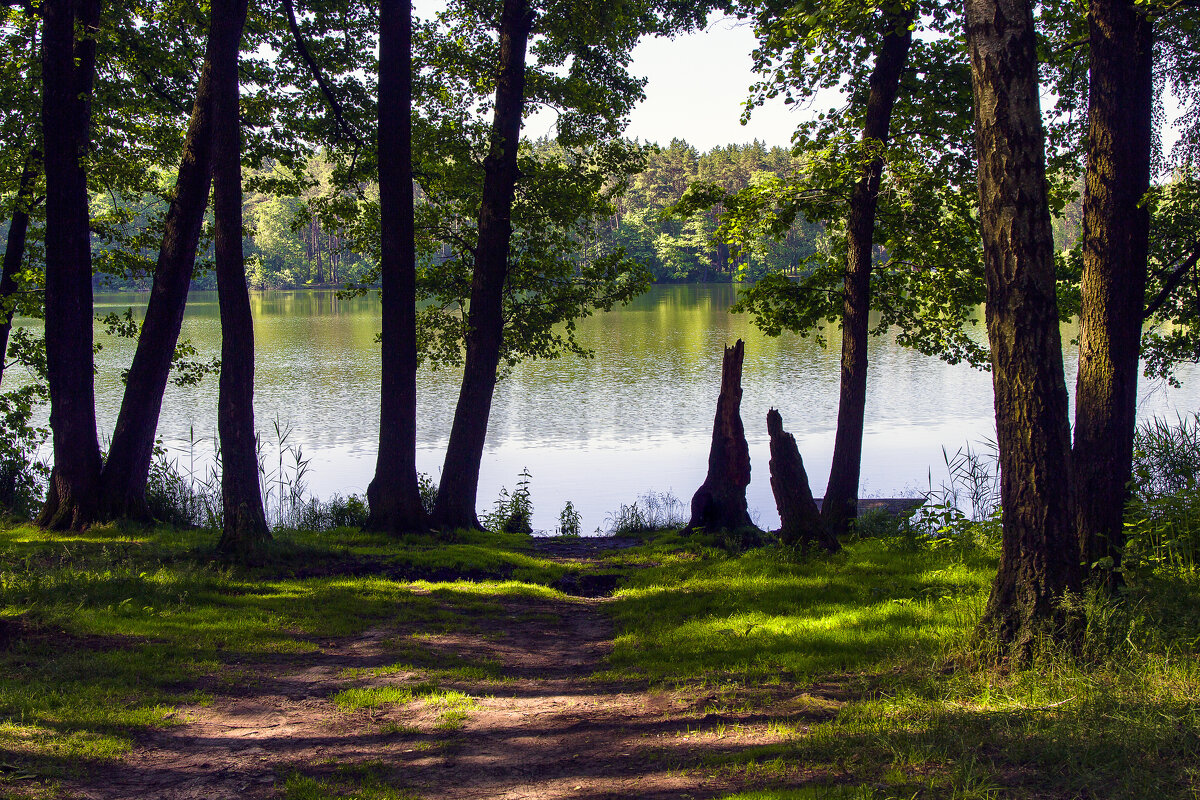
<point x="1116" y="230"/>
<point x="393" y="494"/>
<point x="245" y="527"/>
<point x="1039" y="559"/>
<point x="511" y="233"/>
<point x="123" y="477"/>
<point x="14" y="250"/>
<point x="897" y="208"/>
<point x="841" y="495"/>
<point x="455" y="507"/>
<point x="68" y="71"/>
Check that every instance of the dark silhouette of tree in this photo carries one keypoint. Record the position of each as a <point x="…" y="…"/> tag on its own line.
<point x="245" y="528"/>
<point x="455" y="507"/>
<point x="840" y="504"/>
<point x="123" y="478"/>
<point x="394" y="498"/>
<point x="720" y="502"/>
<point x="68" y="72"/>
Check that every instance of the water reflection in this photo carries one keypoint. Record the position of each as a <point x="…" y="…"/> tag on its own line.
<point x="599" y="431"/>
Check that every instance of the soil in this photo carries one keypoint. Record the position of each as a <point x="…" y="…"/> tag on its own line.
<point x="546" y="727"/>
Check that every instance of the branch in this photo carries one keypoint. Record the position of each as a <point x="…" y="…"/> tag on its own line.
<point x="326" y="90"/>
<point x="1173" y="281"/>
<point x="1080" y="42"/>
<point x="162" y="94"/>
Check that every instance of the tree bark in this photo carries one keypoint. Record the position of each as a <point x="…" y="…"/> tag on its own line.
<point x="455" y="507"/>
<point x="1116" y="233"/>
<point x="123" y="477"/>
<point x="68" y="71"/>
<point x="14" y="250"/>
<point x="799" y="517"/>
<point x="245" y="527"/>
<point x="393" y="496"/>
<point x="1039" y="558"/>
<point x="720" y="502"/>
<point x="841" y="495"/>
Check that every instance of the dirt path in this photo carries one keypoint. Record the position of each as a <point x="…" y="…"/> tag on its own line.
<point x="538" y="724"/>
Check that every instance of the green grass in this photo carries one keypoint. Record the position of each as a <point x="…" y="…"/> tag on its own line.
<point x="862" y="668"/>
<point x="117" y="627"/>
<point x="905" y="702"/>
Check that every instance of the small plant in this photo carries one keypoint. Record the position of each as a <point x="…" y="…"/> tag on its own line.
<point x="1162" y="523"/>
<point x="569" y="521"/>
<point x="22" y="476"/>
<point x="512" y="513"/>
<point x="653" y="511"/>
<point x="429" y="491"/>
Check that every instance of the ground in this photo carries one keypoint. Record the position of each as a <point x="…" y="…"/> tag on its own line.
<point x="354" y="666"/>
<point x="508" y="707"/>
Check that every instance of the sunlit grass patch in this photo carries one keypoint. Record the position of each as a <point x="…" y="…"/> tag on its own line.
<point x="368" y="781"/>
<point x="757" y="615"/>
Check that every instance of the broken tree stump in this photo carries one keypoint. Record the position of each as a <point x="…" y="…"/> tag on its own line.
<point x="799" y="517"/>
<point x="720" y="502"/>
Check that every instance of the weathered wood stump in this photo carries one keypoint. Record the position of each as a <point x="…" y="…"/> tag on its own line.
<point x="799" y="516"/>
<point x="720" y="502"/>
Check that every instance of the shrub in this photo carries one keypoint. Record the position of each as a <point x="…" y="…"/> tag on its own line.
<point x="569" y="521"/>
<point x="512" y="513"/>
<point x="22" y="476"/>
<point x="1163" y="517"/>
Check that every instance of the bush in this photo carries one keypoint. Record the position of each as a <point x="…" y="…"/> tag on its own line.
<point x="1163" y="517"/>
<point x="22" y="476"/>
<point x="512" y="513"/>
<point x="569" y="521"/>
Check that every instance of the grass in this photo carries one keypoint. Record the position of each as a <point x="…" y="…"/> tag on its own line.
<point x="861" y="670"/>
<point x="109" y="631"/>
<point x="902" y="700"/>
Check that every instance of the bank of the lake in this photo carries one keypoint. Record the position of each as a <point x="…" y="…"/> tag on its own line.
<point x="637" y="417"/>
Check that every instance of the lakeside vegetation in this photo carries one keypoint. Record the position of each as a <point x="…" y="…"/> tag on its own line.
<point x="855" y="675"/>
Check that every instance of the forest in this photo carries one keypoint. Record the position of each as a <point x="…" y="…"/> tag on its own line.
<point x="1028" y="630"/>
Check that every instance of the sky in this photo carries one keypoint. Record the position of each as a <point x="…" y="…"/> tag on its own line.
<point x="697" y="86"/>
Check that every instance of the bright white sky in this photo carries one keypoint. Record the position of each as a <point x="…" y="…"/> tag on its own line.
<point x="696" y="90"/>
<point x="697" y="86"/>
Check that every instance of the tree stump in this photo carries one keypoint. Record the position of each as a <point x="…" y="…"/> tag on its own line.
<point x="720" y="502"/>
<point x="799" y="518"/>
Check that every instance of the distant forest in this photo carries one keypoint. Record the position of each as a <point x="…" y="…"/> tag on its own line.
<point x="301" y="240"/>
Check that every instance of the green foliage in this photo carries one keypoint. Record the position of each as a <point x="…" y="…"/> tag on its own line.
<point x="653" y="511"/>
<point x="428" y="490"/>
<point x="512" y="513"/>
<point x="22" y="475"/>
<point x="1163" y="519"/>
<point x="1173" y="286"/>
<point x="569" y="521"/>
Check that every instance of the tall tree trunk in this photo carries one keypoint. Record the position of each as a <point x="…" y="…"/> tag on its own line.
<point x="123" y="478"/>
<point x="1116" y="232"/>
<point x="841" y="495"/>
<point x="455" y="506"/>
<point x="1039" y="558"/>
<point x="245" y="526"/>
<point x="393" y="496"/>
<point x="14" y="249"/>
<point x="68" y="70"/>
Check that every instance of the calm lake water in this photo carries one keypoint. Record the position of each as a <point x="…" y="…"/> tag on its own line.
<point x="598" y="432"/>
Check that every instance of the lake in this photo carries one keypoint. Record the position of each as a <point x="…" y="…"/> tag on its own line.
<point x="598" y="432"/>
